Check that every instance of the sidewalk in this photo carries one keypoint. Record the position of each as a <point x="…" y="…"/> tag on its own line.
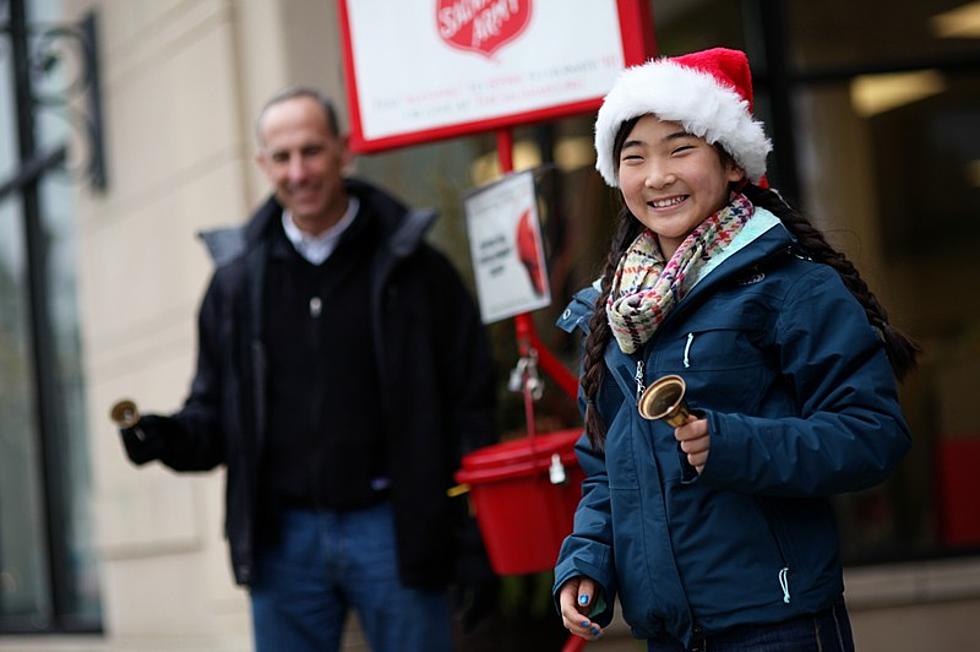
<point x="616" y="639"/>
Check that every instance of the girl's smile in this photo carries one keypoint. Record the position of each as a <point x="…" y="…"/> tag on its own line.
<point x="668" y="203"/>
<point x="672" y="180"/>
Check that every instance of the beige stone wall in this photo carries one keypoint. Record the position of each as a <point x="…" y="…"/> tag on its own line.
<point x="182" y="81"/>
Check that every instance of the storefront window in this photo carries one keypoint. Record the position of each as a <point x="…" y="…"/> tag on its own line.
<point x="48" y="572"/>
<point x="23" y="582"/>
<point x="683" y="26"/>
<point x="892" y="180"/>
<point x="838" y="34"/>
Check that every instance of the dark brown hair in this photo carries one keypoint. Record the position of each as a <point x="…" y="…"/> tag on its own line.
<point x="810" y="242"/>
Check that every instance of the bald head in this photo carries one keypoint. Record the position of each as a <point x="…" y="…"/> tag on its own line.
<point x="294" y="92"/>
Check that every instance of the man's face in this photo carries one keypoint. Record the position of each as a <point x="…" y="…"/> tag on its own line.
<point x="303" y="160"/>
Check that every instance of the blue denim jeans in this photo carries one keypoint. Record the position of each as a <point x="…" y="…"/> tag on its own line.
<point x="826" y="631"/>
<point x="328" y="562"/>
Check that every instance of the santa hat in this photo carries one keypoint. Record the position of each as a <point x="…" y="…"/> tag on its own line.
<point x="708" y="92"/>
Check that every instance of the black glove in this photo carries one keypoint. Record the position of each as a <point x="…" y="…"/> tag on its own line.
<point x="145" y="441"/>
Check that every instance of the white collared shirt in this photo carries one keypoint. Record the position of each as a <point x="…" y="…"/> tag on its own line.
<point x="317" y="248"/>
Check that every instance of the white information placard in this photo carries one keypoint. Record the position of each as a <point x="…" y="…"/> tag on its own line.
<point x="506" y="247"/>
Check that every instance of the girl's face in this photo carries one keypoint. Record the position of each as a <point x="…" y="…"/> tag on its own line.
<point x="671" y="180"/>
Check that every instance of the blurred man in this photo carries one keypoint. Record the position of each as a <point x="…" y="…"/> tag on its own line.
<point x="342" y="370"/>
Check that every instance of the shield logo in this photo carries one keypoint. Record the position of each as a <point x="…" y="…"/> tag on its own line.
<point x="482" y="26"/>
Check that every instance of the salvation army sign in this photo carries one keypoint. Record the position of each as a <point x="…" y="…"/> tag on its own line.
<point x="420" y="70"/>
<point x="481" y="25"/>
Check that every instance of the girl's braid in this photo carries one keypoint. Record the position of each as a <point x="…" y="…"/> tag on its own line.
<point x="901" y="350"/>
<point x="600" y="332"/>
<point x="627" y="229"/>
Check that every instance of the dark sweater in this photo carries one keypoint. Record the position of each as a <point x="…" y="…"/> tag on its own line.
<point x="325" y="447"/>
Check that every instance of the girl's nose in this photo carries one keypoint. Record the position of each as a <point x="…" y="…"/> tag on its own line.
<point x="660" y="180"/>
<point x="659" y="177"/>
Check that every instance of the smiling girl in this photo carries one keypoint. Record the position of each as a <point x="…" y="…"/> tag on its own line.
<point x="719" y="534"/>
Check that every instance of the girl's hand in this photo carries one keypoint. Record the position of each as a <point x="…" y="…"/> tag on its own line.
<point x="575" y="599"/>
<point x="695" y="441"/>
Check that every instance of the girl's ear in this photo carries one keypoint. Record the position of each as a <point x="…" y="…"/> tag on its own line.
<point x="733" y="173"/>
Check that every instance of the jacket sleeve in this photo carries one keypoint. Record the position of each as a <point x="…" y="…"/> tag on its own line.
<point x="588" y="550"/>
<point x="466" y="362"/>
<point x="849" y="432"/>
<point x="197" y="443"/>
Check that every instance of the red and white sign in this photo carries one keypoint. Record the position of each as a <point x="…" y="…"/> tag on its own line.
<point x="420" y="70"/>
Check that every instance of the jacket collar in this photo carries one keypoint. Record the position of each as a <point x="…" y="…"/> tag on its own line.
<point x="764" y="236"/>
<point x="756" y="248"/>
<point x="402" y="230"/>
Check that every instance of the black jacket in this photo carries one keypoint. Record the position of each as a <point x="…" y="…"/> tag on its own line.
<point x="432" y="356"/>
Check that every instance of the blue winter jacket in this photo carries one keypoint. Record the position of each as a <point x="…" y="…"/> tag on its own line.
<point x="801" y="404"/>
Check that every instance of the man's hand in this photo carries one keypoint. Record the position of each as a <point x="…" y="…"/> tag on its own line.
<point x="144" y="442"/>
<point x="695" y="441"/>
<point x="575" y="599"/>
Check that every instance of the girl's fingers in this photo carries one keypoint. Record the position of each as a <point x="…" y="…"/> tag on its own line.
<point x="574" y="621"/>
<point x="699" y="445"/>
<point x="583" y="598"/>
<point x="698" y="460"/>
<point x="581" y="626"/>
<point x="692" y="430"/>
<point x="575" y="600"/>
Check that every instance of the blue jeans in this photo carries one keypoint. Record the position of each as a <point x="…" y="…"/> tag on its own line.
<point x="327" y="562"/>
<point x="826" y="631"/>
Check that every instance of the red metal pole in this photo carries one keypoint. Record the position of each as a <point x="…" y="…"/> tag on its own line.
<point x="523" y="325"/>
<point x="505" y="150"/>
<point x="574" y="644"/>
<point x="554" y="367"/>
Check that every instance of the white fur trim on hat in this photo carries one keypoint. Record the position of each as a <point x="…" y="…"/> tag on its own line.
<point x="695" y="99"/>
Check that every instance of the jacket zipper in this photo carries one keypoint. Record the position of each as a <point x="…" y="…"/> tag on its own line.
<point x="638" y="378"/>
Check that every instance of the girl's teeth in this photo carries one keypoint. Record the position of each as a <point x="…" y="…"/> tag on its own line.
<point x="666" y="203"/>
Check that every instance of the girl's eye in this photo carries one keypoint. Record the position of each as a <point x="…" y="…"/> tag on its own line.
<point x="630" y="157"/>
<point x="682" y="148"/>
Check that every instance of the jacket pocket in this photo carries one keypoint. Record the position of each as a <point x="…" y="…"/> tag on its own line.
<point x="781" y="547"/>
<point x="712" y="348"/>
<point x="728" y="553"/>
<point x="722" y="364"/>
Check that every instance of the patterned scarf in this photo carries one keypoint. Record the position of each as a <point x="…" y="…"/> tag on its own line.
<point x="645" y="289"/>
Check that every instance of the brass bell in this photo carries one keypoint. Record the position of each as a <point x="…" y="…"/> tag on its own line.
<point x="664" y="399"/>
<point x="124" y="413"/>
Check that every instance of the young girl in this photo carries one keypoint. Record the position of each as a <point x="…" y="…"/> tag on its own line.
<point x="719" y="534"/>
